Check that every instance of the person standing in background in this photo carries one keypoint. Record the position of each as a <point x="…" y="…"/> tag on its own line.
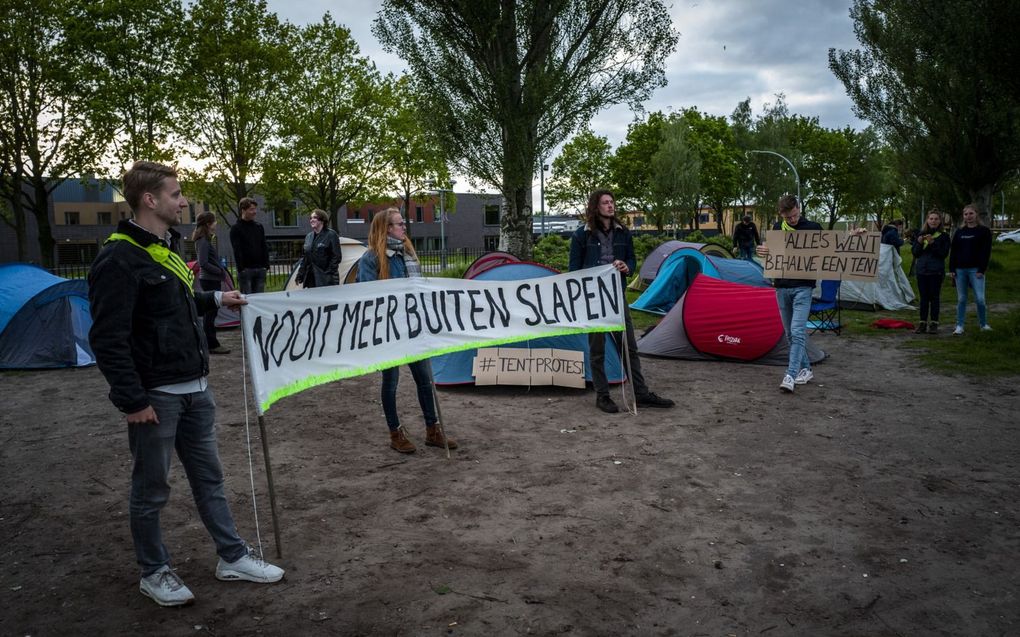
<point x="251" y="252"/>
<point x="210" y="274"/>
<point x="746" y="238"/>
<point x="321" y="261"/>
<point x="930" y="248"/>
<point x="968" y="259"/>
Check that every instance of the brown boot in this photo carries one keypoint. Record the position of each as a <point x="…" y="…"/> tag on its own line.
<point x="922" y="328"/>
<point x="400" y="442"/>
<point x="434" y="437"/>
<point x="933" y="327"/>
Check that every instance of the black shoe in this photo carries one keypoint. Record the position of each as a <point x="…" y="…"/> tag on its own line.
<point x="606" y="404"/>
<point x="651" y="400"/>
<point x="219" y="349"/>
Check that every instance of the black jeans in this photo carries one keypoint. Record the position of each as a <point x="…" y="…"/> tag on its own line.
<point x="929" y="289"/>
<point x="209" y="318"/>
<point x="597" y="347"/>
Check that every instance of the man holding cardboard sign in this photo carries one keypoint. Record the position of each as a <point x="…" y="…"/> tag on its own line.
<point x="794" y="298"/>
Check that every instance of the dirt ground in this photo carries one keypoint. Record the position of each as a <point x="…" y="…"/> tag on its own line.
<point x="878" y="500"/>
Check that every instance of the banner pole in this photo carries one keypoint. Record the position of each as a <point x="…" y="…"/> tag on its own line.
<point x="625" y="354"/>
<point x="272" y="488"/>
<point x="439" y="410"/>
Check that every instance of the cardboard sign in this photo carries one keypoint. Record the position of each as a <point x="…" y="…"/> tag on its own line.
<point x="521" y="366"/>
<point x="822" y="254"/>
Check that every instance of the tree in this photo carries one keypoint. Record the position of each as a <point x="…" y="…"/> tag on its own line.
<point x="630" y="167"/>
<point x="828" y="169"/>
<point x="716" y="148"/>
<point x="50" y="128"/>
<point x="581" y="168"/>
<point x="509" y="80"/>
<point x="938" y="81"/>
<point x="132" y="49"/>
<point x="415" y="158"/>
<point x="334" y="134"/>
<point x="238" y="61"/>
<point x="675" y="182"/>
<point x="771" y="178"/>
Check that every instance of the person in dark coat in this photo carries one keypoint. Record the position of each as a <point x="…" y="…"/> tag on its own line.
<point x="322" y="254"/>
<point x="210" y="274"/>
<point x="148" y="341"/>
<point x="891" y="233"/>
<point x="746" y="238"/>
<point x="930" y="248"/>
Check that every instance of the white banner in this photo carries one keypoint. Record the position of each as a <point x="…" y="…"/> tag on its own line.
<point x="303" y="338"/>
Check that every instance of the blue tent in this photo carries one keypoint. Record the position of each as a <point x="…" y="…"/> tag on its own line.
<point x="44" y="319"/>
<point x="677" y="273"/>
<point x="455" y="368"/>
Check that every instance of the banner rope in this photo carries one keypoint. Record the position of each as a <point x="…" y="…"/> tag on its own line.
<point x="247" y="434"/>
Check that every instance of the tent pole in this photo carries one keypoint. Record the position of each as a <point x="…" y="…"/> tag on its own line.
<point x="439" y="410"/>
<point x="272" y="489"/>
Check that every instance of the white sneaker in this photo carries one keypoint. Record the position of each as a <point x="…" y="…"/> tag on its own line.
<point x="958" y="330"/>
<point x="803" y="377"/>
<point x="986" y="328"/>
<point x="165" y="588"/>
<point x="787" y="384"/>
<point x="249" y="568"/>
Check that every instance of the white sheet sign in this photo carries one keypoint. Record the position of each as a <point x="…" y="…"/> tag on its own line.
<point x="303" y="338"/>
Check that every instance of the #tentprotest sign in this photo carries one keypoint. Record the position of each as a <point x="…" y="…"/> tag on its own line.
<point x="297" y="340"/>
<point x="822" y="254"/>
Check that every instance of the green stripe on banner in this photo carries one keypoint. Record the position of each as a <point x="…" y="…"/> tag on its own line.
<point x="321" y="379"/>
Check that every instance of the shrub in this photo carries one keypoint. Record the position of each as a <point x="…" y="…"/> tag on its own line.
<point x="552" y="250"/>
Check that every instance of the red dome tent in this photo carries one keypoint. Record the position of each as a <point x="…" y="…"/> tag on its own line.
<point x="720" y="320"/>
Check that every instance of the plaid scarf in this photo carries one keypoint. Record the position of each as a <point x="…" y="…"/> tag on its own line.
<point x="412" y="265"/>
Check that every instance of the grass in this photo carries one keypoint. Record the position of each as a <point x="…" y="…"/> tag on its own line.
<point x="994" y="353"/>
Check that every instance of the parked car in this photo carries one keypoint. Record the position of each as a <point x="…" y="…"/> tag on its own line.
<point x="1013" y="236"/>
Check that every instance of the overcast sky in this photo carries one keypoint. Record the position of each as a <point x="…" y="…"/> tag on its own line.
<point x="729" y="50"/>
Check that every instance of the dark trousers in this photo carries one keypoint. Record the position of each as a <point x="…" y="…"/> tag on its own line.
<point x="209" y="318"/>
<point x="929" y="289"/>
<point x="597" y="345"/>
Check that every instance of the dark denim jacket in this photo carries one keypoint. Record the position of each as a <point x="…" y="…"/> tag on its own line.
<point x="585" y="249"/>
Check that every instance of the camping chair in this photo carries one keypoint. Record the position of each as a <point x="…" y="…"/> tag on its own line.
<point x="824" y="313"/>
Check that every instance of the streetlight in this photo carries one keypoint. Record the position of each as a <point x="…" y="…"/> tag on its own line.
<point x="442" y="218"/>
<point x="790" y="163"/>
<point x="541" y="194"/>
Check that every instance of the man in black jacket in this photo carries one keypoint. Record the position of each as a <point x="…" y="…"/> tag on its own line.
<point x="251" y="252"/>
<point x="149" y="344"/>
<point x="746" y="238"/>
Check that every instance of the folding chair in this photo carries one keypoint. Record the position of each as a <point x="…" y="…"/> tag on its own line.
<point x="824" y="313"/>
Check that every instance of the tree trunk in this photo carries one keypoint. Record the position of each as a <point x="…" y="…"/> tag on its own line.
<point x="982" y="198"/>
<point x="41" y="212"/>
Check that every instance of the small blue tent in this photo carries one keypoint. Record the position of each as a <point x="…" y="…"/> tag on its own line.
<point x="677" y="273"/>
<point x="455" y="368"/>
<point x="44" y="319"/>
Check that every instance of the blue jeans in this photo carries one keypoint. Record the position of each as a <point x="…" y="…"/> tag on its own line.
<point x="422" y="380"/>
<point x="252" y="280"/>
<point x="185" y="424"/>
<point x="794" y="308"/>
<point x="967" y="277"/>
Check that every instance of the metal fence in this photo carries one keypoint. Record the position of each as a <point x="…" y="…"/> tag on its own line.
<point x="433" y="262"/>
